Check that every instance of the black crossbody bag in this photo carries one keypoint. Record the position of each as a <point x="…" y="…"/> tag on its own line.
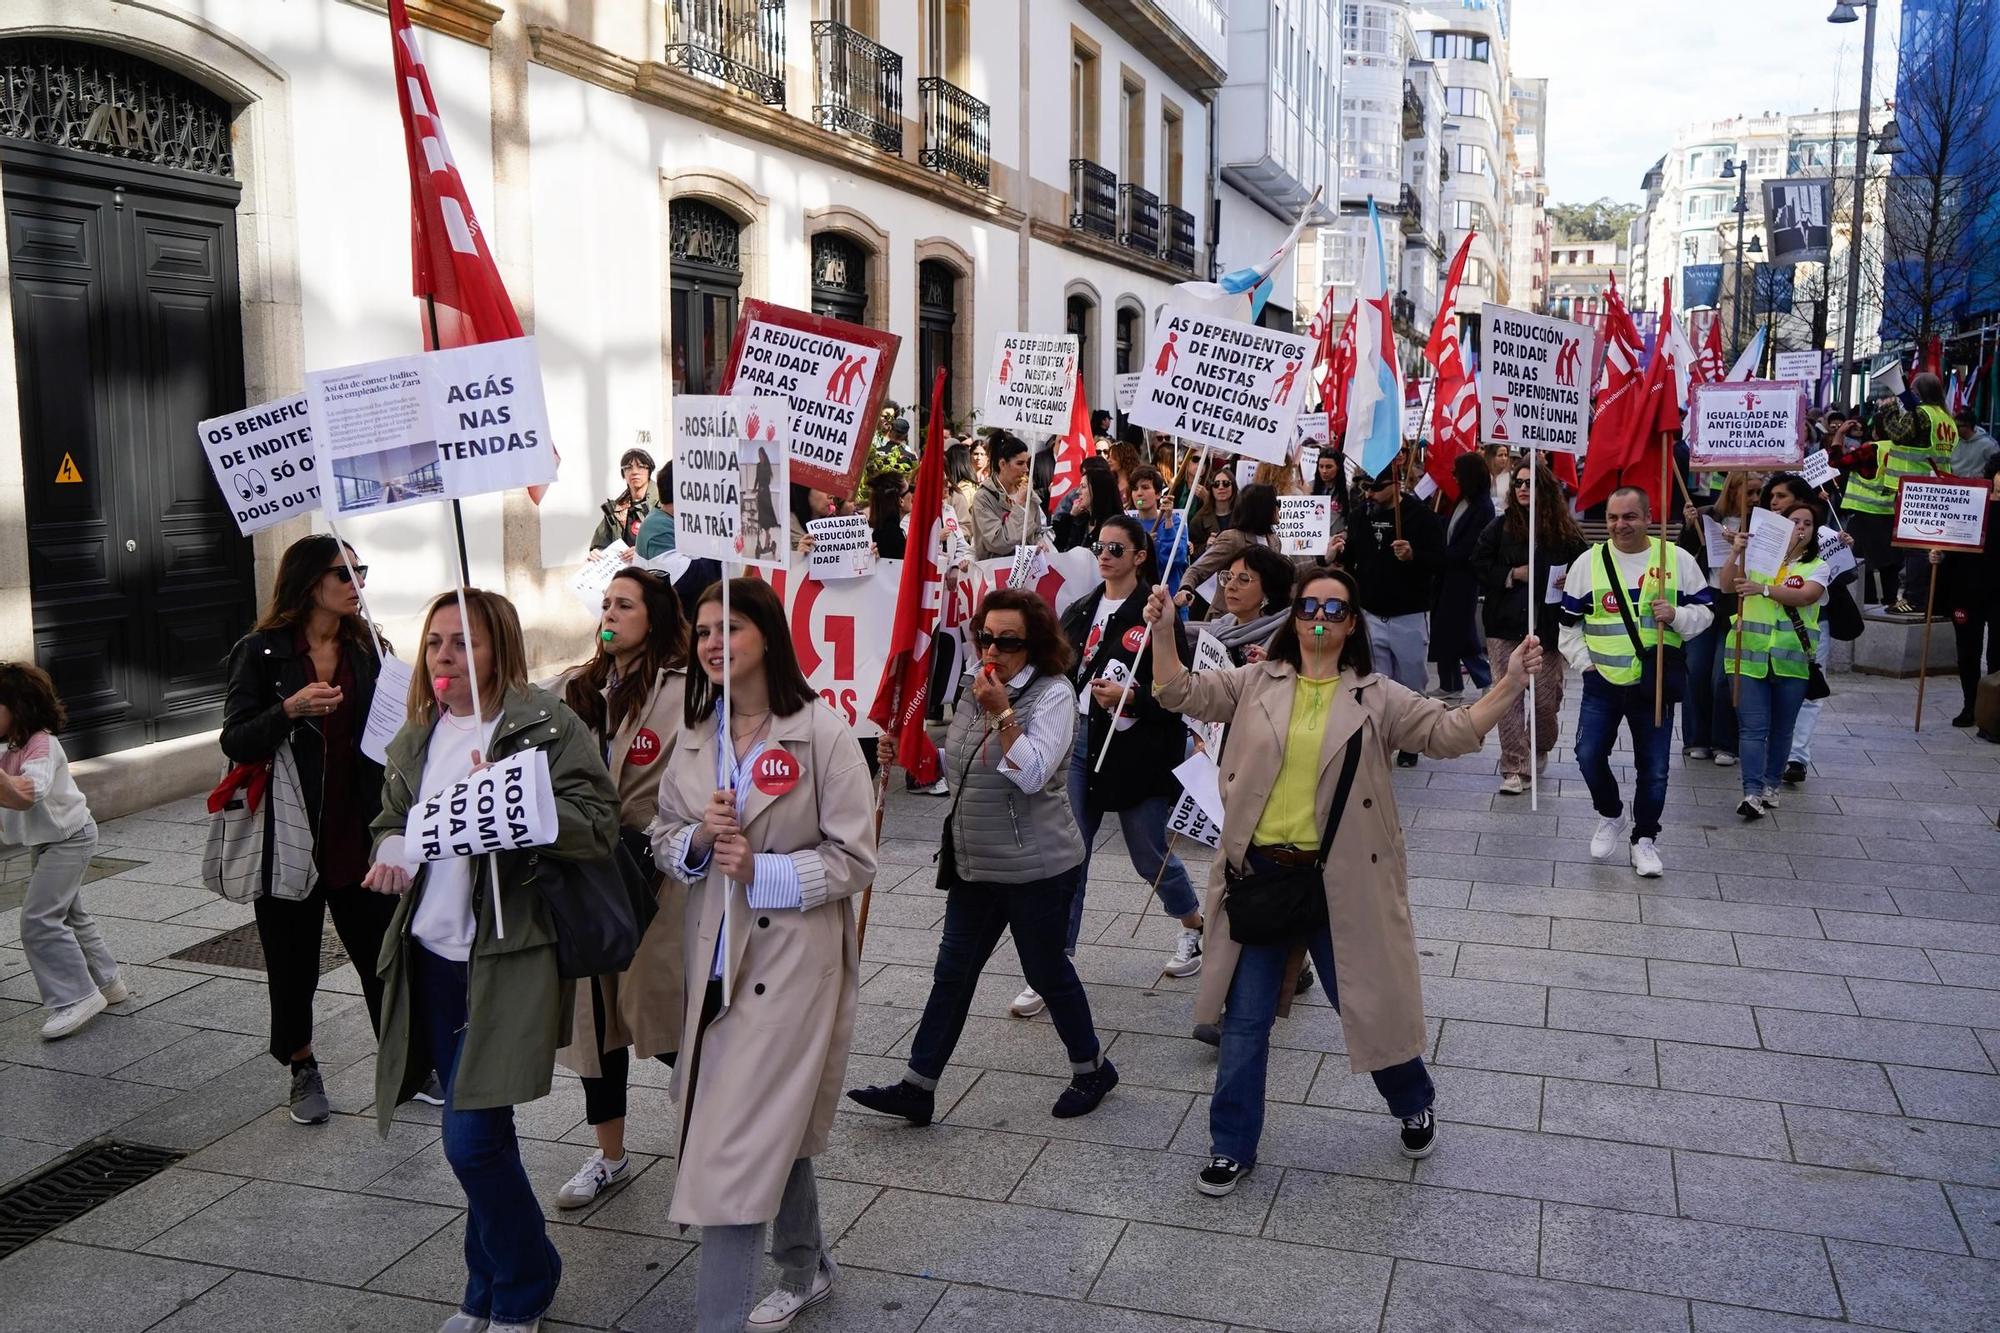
<point x="1646" y="659"/>
<point x="1288" y="904"/>
<point x="1816" y="686"/>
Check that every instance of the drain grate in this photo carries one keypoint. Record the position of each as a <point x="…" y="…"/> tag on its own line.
<point x="241" y="948"/>
<point x="74" y="1186"/>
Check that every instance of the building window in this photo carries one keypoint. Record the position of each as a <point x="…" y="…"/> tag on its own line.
<point x="1370" y="30"/>
<point x="704" y="250"/>
<point x="1170" y="155"/>
<point x="1131" y="339"/>
<point x="1468" y="215"/>
<point x="1470" y="160"/>
<point x="1459" y="46"/>
<point x="1371" y="136"/>
<point x="1691" y="249"/>
<point x="937" y="326"/>
<point x="1083" y="103"/>
<point x="839" y="277"/>
<point x="1339" y="257"/>
<point x="1475" y="271"/>
<point x="1131" y="130"/>
<point x="1468" y="102"/>
<point x="1080" y="320"/>
<point x="856" y="14"/>
<point x="948" y="39"/>
<point x="1764" y="161"/>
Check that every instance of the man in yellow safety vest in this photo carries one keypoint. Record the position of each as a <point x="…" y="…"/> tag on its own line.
<point x="1915" y="444"/>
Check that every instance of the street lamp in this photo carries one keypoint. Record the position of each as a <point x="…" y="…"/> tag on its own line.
<point x="1890" y="141"/>
<point x="1732" y="170"/>
<point x="1844" y="13"/>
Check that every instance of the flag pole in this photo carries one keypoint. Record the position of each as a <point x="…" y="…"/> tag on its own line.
<point x="1924" y="657"/>
<point x="1536" y="595"/>
<point x="1660" y="584"/>
<point x="355" y="578"/>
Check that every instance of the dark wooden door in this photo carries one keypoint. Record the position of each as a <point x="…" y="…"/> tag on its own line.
<point x="126" y="333"/>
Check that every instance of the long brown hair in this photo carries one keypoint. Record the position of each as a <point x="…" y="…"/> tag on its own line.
<point x="495" y="620"/>
<point x="1554" y="525"/>
<point x="754" y="600"/>
<point x="664" y="649"/>
<point x="304" y="563"/>
<point x="27" y="692"/>
<point x="1356" y="654"/>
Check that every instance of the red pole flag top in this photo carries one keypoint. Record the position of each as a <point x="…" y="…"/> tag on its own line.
<point x="1339" y="380"/>
<point x="1072" y="449"/>
<point x="904" y="689"/>
<point x="1454" y="404"/>
<point x="1617" y="405"/>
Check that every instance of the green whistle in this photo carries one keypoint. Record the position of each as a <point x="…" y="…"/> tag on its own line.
<point x="605" y="635"/>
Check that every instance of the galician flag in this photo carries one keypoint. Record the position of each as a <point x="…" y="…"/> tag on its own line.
<point x="1253" y="281"/>
<point x="1375" y="403"/>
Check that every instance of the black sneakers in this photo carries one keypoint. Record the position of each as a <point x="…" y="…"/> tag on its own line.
<point x="1795" y="772"/>
<point x="1419" y="1135"/>
<point x="916" y="1105"/>
<point x="1406" y="759"/>
<point x="1219" y="1177"/>
<point x="1084" y="1092"/>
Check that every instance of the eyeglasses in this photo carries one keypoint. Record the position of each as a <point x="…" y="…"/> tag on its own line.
<point x="1116" y="550"/>
<point x="1006" y="643"/>
<point x="1334" y="609"/>
<point x="1242" y="580"/>
<point x="340" y="572"/>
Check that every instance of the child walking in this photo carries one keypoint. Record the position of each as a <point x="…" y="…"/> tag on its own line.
<point x="41" y="809"/>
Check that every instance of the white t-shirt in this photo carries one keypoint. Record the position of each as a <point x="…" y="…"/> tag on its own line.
<point x="59" y="810"/>
<point x="444" y="922"/>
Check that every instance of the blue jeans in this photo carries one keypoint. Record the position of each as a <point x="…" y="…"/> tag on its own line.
<point x="974" y="915"/>
<point x="1708" y="718"/>
<point x="1145" y="828"/>
<point x="1604" y="708"/>
<point x="1769" y="709"/>
<point x="511" y="1269"/>
<point x="1808" y="720"/>
<point x="1236" y="1114"/>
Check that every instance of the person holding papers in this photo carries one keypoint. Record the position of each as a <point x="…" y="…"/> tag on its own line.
<point x="1770" y="650"/>
<point x="470" y="986"/>
<point x="626" y="512"/>
<point x="1005" y="513"/>
<point x="767" y="814"/>
<point x="1708" y="719"/>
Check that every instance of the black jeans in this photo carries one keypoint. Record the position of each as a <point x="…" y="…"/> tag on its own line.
<point x="290" y="932"/>
<point x="1037" y="913"/>
<point x="604" y="1094"/>
<point x="1970" y="624"/>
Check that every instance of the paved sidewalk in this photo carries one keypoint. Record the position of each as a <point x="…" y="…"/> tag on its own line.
<point x="1757" y="1094"/>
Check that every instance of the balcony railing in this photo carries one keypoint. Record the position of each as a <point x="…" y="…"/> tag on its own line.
<point x="738" y="41"/>
<point x="957" y="132"/>
<point x="1413" y="111"/>
<point x="860" y="86"/>
<point x="1139" y="219"/>
<point x="1180" y="238"/>
<point x="1412" y="209"/>
<point x="1093" y="198"/>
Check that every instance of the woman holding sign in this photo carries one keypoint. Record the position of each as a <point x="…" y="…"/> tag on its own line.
<point x="766" y="813"/>
<point x="1771" y="653"/>
<point x="470" y="985"/>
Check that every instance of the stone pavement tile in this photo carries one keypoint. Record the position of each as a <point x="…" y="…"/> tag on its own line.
<point x="234" y="1005"/>
<point x="1749" y="918"/>
<point x="902" y="944"/>
<point x="902" y="986"/>
<point x="127" y="1221"/>
<point x="1446" y="923"/>
<point x="1886" y="1039"/>
<point x="1930" y="1149"/>
<point x="1039" y="1250"/>
<point x="863" y="1301"/>
<point x="1927" y="1003"/>
<point x="1134" y="1116"/>
<point x="1668" y="1119"/>
<point x="1586" y="904"/>
<point x="604" y="1273"/>
<point x="1949" y="906"/>
<point x="982" y="1310"/>
<point x="1006" y="1043"/>
<point x="1771" y="1270"/>
<point x="1551" y="1166"/>
<point x="877" y="1030"/>
<point x="1736" y="1319"/>
<point x="218" y="913"/>
<point x="255" y="1303"/>
<point x="296" y="1231"/>
<point x="1875" y="874"/>
<point x="1915" y="931"/>
<point x="192" y="1060"/>
<point x="1664" y="942"/>
<point x="1142" y="1185"/>
<point x="1946" y="1094"/>
<point x="1482" y="1000"/>
<point x="46" y="1288"/>
<point x="154" y="834"/>
<point x="1748" y="844"/>
<point x="945" y="1158"/>
<point x="149" y="985"/>
<point x="1187" y="1065"/>
<point x="1263" y="1283"/>
<point x="1681" y="880"/>
<point x="21" y="1157"/>
<point x="1485" y="870"/>
<point x="158" y="867"/>
<point x="48" y="1106"/>
<point x="1651" y="1016"/>
<point x="1313" y="1137"/>
<point x="1407" y="1221"/>
<point x="1525" y="1050"/>
<point x="1803" y="893"/>
<point x="1516" y="818"/>
<point x="344" y="1153"/>
<point x="1965" y="969"/>
<point x="649" y="1122"/>
<point x="148" y="941"/>
<point x="1841" y="958"/>
<point x="1774" y="1076"/>
<point x="14" y="963"/>
<point x="1817" y="1200"/>
<point x="1432" y="1298"/>
<point x="1551" y="967"/>
<point x="866" y="1070"/>
<point x="1440" y="892"/>
<point x="425" y="1176"/>
<point x="1979" y="1214"/>
<point x="139" y="900"/>
<point x="1464" y="1096"/>
<point x="1751" y="985"/>
<point x="1531" y="846"/>
<point x="1909" y="1289"/>
<point x="109" y="1043"/>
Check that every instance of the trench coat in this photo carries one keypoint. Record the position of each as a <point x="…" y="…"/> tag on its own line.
<point x="1455" y="632"/>
<point x="641" y="1005"/>
<point x="1367" y="881"/>
<point x="772" y="1064"/>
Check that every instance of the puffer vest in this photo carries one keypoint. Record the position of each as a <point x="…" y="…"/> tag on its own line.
<point x="1001" y="834"/>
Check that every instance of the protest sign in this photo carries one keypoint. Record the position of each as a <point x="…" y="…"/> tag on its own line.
<point x="1313" y="429"/>
<point x="389" y="710"/>
<point x="1223" y="384"/>
<point x="1942" y="513"/>
<point x="1029" y="383"/>
<point x="842" y="547"/>
<point x="1426" y="487"/>
<point x="1715" y="540"/>
<point x="1026" y="568"/>
<point x="1198" y="813"/>
<point x="1209" y="655"/>
<point x="492" y="425"/>
<point x="840" y="632"/>
<point x="1308" y="463"/>
<point x="1837" y="554"/>
<point x="1816" y="470"/>
<point x="731" y="488"/>
<point x="1747" y="424"/>
<point x="594" y="576"/>
<point x="832" y="374"/>
<point x="1246" y="473"/>
<point x="1764" y="553"/>
<point x="1413" y="421"/>
<point x="1304" y="524"/>
<point x="1060" y="578"/>
<point x="1800" y="366"/>
<point x="1534" y="380"/>
<point x="1123" y="390"/>
<point x="503" y="806"/>
<point x="263" y="460"/>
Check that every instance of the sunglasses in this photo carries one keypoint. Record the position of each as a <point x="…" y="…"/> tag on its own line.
<point x="341" y="572"/>
<point x="1006" y="643"/>
<point x="1520" y="482"/>
<point x="1116" y="550"/>
<point x="1224" y="483"/>
<point x="1334" y="609"/>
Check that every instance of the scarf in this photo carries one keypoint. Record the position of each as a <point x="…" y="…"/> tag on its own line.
<point x="1237" y="635"/>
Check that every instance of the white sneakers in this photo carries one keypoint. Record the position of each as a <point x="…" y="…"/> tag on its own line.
<point x="597" y="1176"/>
<point x="1646" y="859"/>
<point x="781" y="1307"/>
<point x="72" y="1018"/>
<point x="1187" y="956"/>
<point x="1513" y="784"/>
<point x="117" y="992"/>
<point x="1027" y="1004"/>
<point x="1610" y="832"/>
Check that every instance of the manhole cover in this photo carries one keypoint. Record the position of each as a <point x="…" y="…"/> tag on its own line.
<point x="74" y="1186"/>
<point x="241" y="948"/>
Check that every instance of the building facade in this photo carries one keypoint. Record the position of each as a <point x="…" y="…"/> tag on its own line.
<point x="1528" y="239"/>
<point x="1580" y="272"/>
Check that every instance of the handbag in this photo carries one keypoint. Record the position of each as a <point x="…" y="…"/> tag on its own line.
<point x="600" y="909"/>
<point x="1816" y="686"/>
<point x="1842" y="616"/>
<point x="242" y="838"/>
<point x="1285" y="905"/>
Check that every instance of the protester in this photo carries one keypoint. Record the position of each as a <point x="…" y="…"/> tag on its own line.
<point x="489" y="1027"/>
<point x="625" y="513"/>
<point x="1252" y="521"/>
<point x="1162" y="524"/>
<point x="1513" y="589"/>
<point x="42" y="810"/>
<point x="1255" y="598"/>
<point x="303" y="682"/>
<point x="1969" y="593"/>
<point x="1124" y="457"/>
<point x="1396" y="561"/>
<point x="1782" y="491"/>
<point x="1327" y="478"/>
<point x="1010" y="857"/>
<point x="885" y="514"/>
<point x="1770" y="654"/>
<point x="1499" y="471"/>
<point x="1975" y="448"/>
<point x="1708" y="717"/>
<point x="1619" y="658"/>
<point x="1217" y="513"/>
<point x="961" y="480"/>
<point x="1920" y="444"/>
<point x="1456" y="644"/>
<point x="1317" y="698"/>
<point x="774" y="835"/>
<point x="1005" y="513"/>
<point x="807" y="505"/>
<point x="629" y="697"/>
<point x="1188" y="490"/>
<point x="657" y="534"/>
<point x="979" y="461"/>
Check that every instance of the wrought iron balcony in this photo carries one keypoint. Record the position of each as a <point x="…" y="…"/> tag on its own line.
<point x="1093" y="198"/>
<point x="741" y="42"/>
<point x="1180" y="238"/>
<point x="1139" y="219"/>
<point x="957" y="132"/>
<point x="1412" y="209"/>
<point x="860" y="86"/>
<point x="1413" y="111"/>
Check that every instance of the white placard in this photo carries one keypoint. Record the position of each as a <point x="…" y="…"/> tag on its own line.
<point x="1123" y="390"/>
<point x="1026" y="568"/>
<point x="1764" y="553"/>
<point x="1309" y="463"/>
<point x="1837" y="554"/>
<point x="390" y="709"/>
<point x="1715" y="538"/>
<point x="1314" y="429"/>
<point x="1208" y="588"/>
<point x="732" y="494"/>
<point x="1246" y="473"/>
<point x="505" y="806"/>
<point x="1030" y="383"/>
<point x="1800" y="366"/>
<point x="1426" y="486"/>
<point x="1198" y="813"/>
<point x="1413" y="421"/>
<point x="1747" y="424"/>
<point x="1534" y="380"/>
<point x="1224" y="384"/>
<point x="672" y="564"/>
<point x="1942" y="513"/>
<point x="1817" y="470"/>
<point x="843" y="548"/>
<point x="831" y="375"/>
<point x="594" y="576"/>
<point x="1305" y="522"/>
<point x="263" y="460"/>
<point x="1553" y="594"/>
<point x="1209" y="655"/>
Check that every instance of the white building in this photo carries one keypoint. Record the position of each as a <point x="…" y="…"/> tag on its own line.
<point x="1467" y="40"/>
<point x="1528" y="225"/>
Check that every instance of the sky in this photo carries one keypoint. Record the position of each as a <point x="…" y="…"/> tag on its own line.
<point x="1623" y="76"/>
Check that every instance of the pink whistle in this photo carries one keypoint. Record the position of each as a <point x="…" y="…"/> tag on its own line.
<point x="441" y="683"/>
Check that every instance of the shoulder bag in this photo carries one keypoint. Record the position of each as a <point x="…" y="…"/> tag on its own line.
<point x="1288" y="904"/>
<point x="600" y="908"/>
<point x="1645" y="657"/>
<point x="1816" y="686"/>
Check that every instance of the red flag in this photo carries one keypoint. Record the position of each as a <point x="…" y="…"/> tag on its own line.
<point x="1072" y="449"/>
<point x="1337" y="377"/>
<point x="1658" y="416"/>
<point x="1711" y="365"/>
<point x="904" y="689"/>
<point x="1454" y="404"/>
<point x="1618" y="403"/>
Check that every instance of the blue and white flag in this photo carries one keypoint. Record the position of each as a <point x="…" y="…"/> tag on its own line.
<point x="1254" y="280"/>
<point x="1375" y="403"/>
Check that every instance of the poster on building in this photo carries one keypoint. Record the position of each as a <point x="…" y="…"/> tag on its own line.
<point x="832" y="374"/>
<point x="1030" y="383"/>
<point x="1802" y="367"/>
<point x="1534" y="381"/>
<point x="1701" y="286"/>
<point x="1942" y="513"/>
<point x="1230" y="386"/>
<point x="731" y="479"/>
<point x="842" y="547"/>
<point x="1305" y="522"/>
<point x="262" y="458"/>
<point x="1747" y="424"/>
<point x="1798" y="214"/>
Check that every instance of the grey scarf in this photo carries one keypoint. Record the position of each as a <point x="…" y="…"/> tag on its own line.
<point x="1237" y="635"/>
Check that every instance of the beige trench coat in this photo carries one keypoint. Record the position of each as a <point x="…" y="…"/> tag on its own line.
<point x="772" y="1065"/>
<point x="643" y="1004"/>
<point x="1367" y="888"/>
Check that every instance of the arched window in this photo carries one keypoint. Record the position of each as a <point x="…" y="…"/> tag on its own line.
<point x="704" y="247"/>
<point x="1131" y="337"/>
<point x="1080" y="318"/>
<point x="937" y="323"/>
<point x="839" y="277"/>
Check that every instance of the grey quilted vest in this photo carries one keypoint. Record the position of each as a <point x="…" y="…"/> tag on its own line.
<point x="1001" y="834"/>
